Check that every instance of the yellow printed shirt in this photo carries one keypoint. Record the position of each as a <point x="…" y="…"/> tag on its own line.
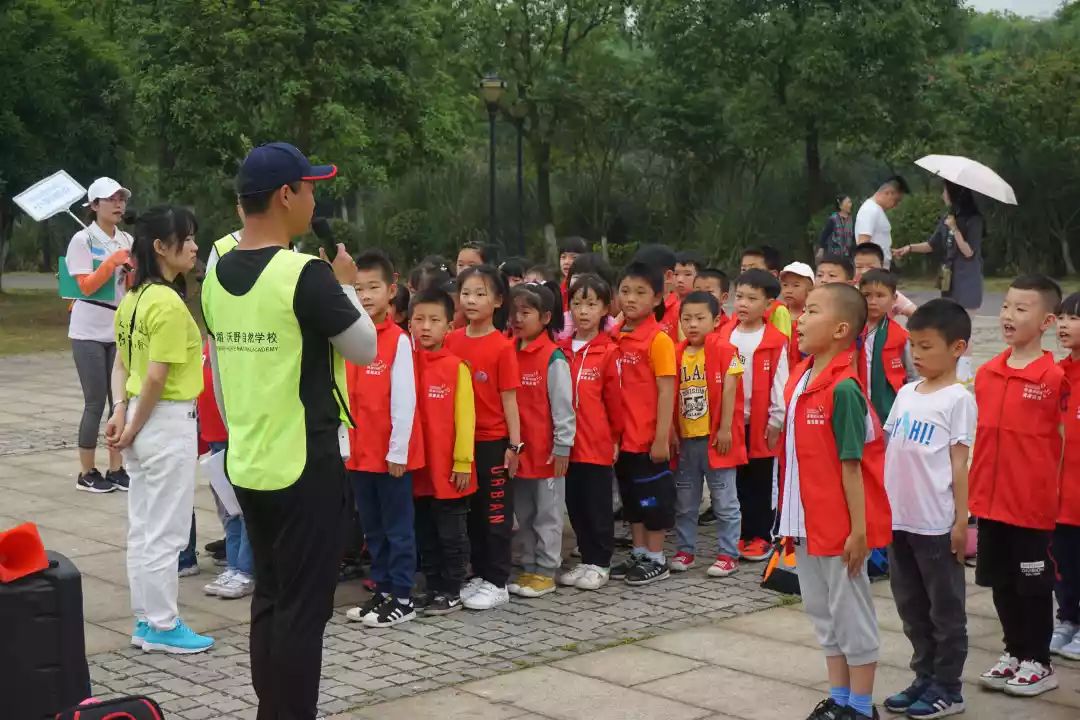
<point x="164" y="332"/>
<point x="694" y="419"/>
<point x="781" y="320"/>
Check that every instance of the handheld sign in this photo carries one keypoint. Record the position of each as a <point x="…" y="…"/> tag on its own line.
<point x="48" y="197"/>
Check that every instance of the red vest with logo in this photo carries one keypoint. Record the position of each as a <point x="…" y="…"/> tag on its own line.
<point x="438" y="373"/>
<point x="670" y="322"/>
<point x="369" y="402"/>
<point x="1069" y="509"/>
<point x="598" y="399"/>
<point x="639" y="385"/>
<point x="1016" y="460"/>
<point x="764" y="364"/>
<point x="718" y="356"/>
<point x="821" y="484"/>
<point x="537" y="430"/>
<point x="892" y="356"/>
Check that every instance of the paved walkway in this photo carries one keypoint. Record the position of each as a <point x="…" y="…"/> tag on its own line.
<point x="690" y="647"/>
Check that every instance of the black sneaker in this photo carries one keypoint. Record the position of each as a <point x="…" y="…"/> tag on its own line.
<point x="372" y="606"/>
<point x="618" y="572"/>
<point x="827" y="709"/>
<point x="647" y="571"/>
<point x="93" y="482"/>
<point x="215" y="547"/>
<point x="421" y="600"/>
<point x="391" y="613"/>
<point x="849" y="713"/>
<point x="119" y="479"/>
<point x="443" y="604"/>
<point x="707" y="518"/>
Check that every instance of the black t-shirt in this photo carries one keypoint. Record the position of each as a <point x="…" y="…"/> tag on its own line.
<point x="322" y="310"/>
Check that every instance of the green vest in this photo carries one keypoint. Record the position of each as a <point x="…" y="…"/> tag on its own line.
<point x="225" y="244"/>
<point x="259" y="345"/>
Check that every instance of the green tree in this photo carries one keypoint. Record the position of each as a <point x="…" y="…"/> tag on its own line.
<point x="63" y="89"/>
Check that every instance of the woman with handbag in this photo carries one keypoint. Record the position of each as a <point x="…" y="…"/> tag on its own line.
<point x="98" y="260"/>
<point x="158" y="373"/>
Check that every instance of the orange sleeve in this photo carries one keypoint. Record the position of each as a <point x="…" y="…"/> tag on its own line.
<point x="91" y="283"/>
<point x="662" y="355"/>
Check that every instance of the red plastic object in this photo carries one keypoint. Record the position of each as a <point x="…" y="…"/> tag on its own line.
<point x="21" y="552"/>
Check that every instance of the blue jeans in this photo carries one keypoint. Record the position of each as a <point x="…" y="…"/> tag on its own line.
<point x="693" y="469"/>
<point x="237" y="548"/>
<point x="188" y="556"/>
<point x="385" y="506"/>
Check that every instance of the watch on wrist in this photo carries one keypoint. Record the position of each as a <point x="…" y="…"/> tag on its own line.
<point x="517" y="449"/>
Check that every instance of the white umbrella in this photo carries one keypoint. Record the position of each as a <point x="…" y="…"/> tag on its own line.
<point x="970" y="174"/>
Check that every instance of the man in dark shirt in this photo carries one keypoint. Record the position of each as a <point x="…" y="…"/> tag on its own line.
<point x="295" y="523"/>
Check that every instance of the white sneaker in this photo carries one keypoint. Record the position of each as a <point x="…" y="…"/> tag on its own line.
<point x="595" y="577"/>
<point x="215" y="587"/>
<point x="1064" y="633"/>
<point x="571" y="576"/>
<point x="996" y="677"/>
<point x="1032" y="678"/>
<point x="1072" y="650"/>
<point x="488" y="596"/>
<point x="238" y="586"/>
<point x="470" y="588"/>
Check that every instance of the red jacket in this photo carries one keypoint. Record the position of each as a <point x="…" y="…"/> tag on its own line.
<point x="892" y="356"/>
<point x="1016" y="460"/>
<point x="369" y="402"/>
<point x="537" y="429"/>
<point x="598" y="399"/>
<point x="639" y="385"/>
<point x="1069" y="509"/>
<point x="820" y="476"/>
<point x="764" y="365"/>
<point x="211" y="427"/>
<point x="670" y="321"/>
<point x="718" y="357"/>
<point x="438" y="373"/>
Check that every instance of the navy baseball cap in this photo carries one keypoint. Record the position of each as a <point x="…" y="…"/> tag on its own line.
<point x="270" y="166"/>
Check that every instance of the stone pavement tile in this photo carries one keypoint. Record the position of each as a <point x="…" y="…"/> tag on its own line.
<point x="888" y="619"/>
<point x="720" y="646"/>
<point x="30" y="507"/>
<point x="628" y="665"/>
<point x="86" y="522"/>
<point x="102" y="639"/>
<point x="747" y="696"/>
<point x="104" y="601"/>
<point x="192" y="596"/>
<point x="541" y="689"/>
<point x="110" y="566"/>
<point x="446" y="704"/>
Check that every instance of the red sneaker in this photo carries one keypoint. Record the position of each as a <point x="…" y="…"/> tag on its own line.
<point x="682" y="562"/>
<point x="756" y="550"/>
<point x="725" y="565"/>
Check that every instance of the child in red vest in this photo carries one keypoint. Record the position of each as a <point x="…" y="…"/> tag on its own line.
<point x="763" y="353"/>
<point x="885" y="365"/>
<point x="442" y="487"/>
<point x="796" y="282"/>
<point x="496" y="379"/>
<point x="688" y="264"/>
<point x="570" y="248"/>
<point x="767" y="258"/>
<point x="646" y="484"/>
<point x="1066" y="638"/>
<point x="711" y="438"/>
<point x="664" y="259"/>
<point x="547" y="430"/>
<point x="834" y="269"/>
<point x="716" y="283"/>
<point x="869" y="256"/>
<point x="598" y="398"/>
<point x="930" y="431"/>
<point x="385" y="448"/>
<point x="1015" y="471"/>
<point x="833" y="505"/>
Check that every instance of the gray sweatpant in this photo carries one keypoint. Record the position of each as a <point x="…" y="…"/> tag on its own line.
<point x="840" y="607"/>
<point x="94" y="363"/>
<point x="538" y="506"/>
<point x="928" y="587"/>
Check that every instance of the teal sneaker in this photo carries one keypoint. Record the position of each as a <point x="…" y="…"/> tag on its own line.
<point x="138" y="635"/>
<point x="181" y="640"/>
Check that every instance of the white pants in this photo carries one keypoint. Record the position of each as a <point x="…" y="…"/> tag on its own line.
<point x="161" y="463"/>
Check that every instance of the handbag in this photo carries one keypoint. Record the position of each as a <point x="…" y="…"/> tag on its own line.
<point x="944" y="278"/>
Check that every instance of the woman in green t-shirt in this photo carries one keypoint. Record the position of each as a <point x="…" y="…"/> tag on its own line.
<point x="158" y="373"/>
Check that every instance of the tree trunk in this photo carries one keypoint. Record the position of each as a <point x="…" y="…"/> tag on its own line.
<point x="542" y="156"/>
<point x="815" y="189"/>
<point x="45" y="241"/>
<point x="7" y="224"/>
<point x="1066" y="254"/>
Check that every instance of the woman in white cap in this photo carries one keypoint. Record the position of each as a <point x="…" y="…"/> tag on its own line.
<point x="97" y="257"/>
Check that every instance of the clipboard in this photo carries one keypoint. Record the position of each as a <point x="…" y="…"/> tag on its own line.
<point x="213" y="467"/>
<point x="68" y="286"/>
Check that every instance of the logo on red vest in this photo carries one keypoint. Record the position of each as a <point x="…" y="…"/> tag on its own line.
<point x="632" y="357"/>
<point x="815" y="415"/>
<point x="897" y="364"/>
<point x="1037" y="392"/>
<point x="438" y="392"/>
<point x="378" y="367"/>
<point x="589" y="374"/>
<point x="766" y="365"/>
<point x="531" y="379"/>
<point x="481" y="376"/>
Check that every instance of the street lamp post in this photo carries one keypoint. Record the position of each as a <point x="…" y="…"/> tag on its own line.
<point x="492" y="88"/>
<point x="518" y="110"/>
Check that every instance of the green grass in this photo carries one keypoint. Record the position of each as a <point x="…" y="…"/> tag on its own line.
<point x="990" y="284"/>
<point x="32" y="321"/>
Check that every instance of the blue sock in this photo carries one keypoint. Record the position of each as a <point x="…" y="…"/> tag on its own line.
<point x="641" y="551"/>
<point x="839" y="695"/>
<point x="862" y="704"/>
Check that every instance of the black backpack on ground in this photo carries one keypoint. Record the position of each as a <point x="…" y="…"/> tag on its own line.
<point x="127" y="708"/>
